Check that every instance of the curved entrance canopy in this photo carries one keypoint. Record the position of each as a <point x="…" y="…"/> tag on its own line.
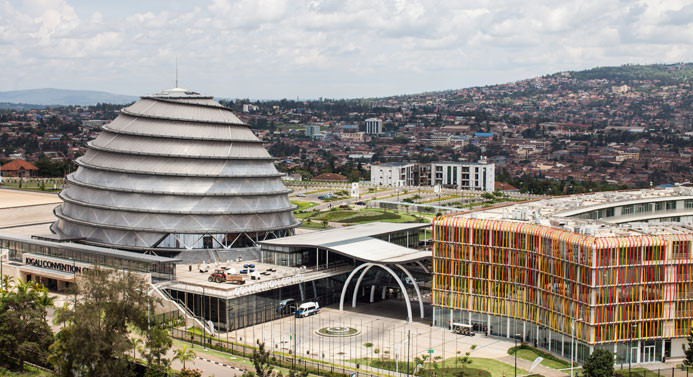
<point x="381" y="245"/>
<point x="367" y="266"/>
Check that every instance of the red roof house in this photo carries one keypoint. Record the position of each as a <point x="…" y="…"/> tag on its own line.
<point x="18" y="168"/>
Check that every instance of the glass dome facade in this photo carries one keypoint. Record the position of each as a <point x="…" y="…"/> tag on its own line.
<point x="175" y="170"/>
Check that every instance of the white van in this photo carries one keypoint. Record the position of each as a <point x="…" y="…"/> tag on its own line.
<point x="308" y="308"/>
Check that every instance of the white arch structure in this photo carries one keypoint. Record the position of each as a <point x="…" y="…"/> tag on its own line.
<point x="367" y="266"/>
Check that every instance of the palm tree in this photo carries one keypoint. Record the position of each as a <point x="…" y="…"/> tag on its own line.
<point x="184" y="354"/>
<point x="7" y="283"/>
<point x="46" y="301"/>
<point x="135" y="345"/>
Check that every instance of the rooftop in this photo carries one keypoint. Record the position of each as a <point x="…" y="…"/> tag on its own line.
<point x="560" y="212"/>
<point x="18" y="164"/>
<point x="107" y="252"/>
<point x="357" y="242"/>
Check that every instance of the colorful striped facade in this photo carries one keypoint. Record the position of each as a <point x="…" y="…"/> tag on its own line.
<point x="634" y="292"/>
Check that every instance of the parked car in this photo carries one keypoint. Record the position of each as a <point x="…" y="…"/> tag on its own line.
<point x="286" y="306"/>
<point x="301" y="195"/>
<point x="307" y="309"/>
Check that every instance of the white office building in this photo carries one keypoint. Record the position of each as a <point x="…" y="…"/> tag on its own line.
<point x="374" y="126"/>
<point x="313" y="130"/>
<point x="477" y="176"/>
<point x="394" y="174"/>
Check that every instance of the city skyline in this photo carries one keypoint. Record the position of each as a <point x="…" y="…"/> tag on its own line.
<point x="276" y="49"/>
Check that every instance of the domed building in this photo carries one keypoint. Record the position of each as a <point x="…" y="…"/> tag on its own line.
<point x="175" y="171"/>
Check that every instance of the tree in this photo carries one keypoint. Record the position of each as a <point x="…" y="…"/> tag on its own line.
<point x="24" y="332"/>
<point x="599" y="364"/>
<point x="94" y="340"/>
<point x="136" y="343"/>
<point x="158" y="342"/>
<point x="184" y="354"/>
<point x="465" y="361"/>
<point x="261" y="361"/>
<point x="688" y="361"/>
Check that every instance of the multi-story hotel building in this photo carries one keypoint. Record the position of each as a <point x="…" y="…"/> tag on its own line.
<point x="475" y="176"/>
<point x="612" y="269"/>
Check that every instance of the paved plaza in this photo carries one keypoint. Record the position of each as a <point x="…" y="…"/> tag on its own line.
<point x="382" y="324"/>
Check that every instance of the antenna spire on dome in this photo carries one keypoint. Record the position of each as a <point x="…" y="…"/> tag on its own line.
<point x="176" y="71"/>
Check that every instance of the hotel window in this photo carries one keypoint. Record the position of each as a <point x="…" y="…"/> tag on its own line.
<point x="647" y="207"/>
<point x="671" y="205"/>
<point x="627" y="210"/>
<point x="688" y="204"/>
<point x="659" y="206"/>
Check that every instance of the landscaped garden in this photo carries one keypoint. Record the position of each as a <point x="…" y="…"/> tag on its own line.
<point x="350" y="216"/>
<point x="530" y="353"/>
<point x="479" y="367"/>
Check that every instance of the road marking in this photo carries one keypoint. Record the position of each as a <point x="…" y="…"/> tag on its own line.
<point x="221" y="364"/>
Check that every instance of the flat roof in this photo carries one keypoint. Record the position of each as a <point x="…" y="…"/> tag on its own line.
<point x="358" y="242"/>
<point x="561" y="211"/>
<point x="116" y="253"/>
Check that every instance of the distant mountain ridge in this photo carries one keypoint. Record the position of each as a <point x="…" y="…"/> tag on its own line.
<point x="63" y="97"/>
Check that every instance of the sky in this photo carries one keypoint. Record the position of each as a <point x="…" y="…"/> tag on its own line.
<point x="271" y="49"/>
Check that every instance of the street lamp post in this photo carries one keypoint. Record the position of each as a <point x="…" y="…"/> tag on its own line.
<point x="516" y="336"/>
<point x="573" y="351"/>
<point x="397" y="349"/>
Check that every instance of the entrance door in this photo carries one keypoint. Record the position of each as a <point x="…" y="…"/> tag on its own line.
<point x="648" y="354"/>
<point x="634" y="355"/>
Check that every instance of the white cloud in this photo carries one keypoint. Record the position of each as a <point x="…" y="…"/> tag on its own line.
<point x="328" y="48"/>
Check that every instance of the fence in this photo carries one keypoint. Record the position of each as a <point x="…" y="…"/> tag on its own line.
<point x="643" y="372"/>
<point x="281" y="359"/>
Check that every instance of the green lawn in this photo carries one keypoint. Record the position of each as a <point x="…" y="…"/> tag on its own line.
<point x="447" y="197"/>
<point x="363" y="216"/>
<point x="529" y="354"/>
<point x="303" y="205"/>
<point x="637" y="372"/>
<point x="314" y="225"/>
<point x="27" y="373"/>
<point x="318" y="191"/>
<point x="31" y="186"/>
<point x="225" y="356"/>
<point x="480" y="367"/>
<point x="494" y="367"/>
<point x="305" y="215"/>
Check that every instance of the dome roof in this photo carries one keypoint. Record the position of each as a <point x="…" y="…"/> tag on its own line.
<point x="176" y="170"/>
